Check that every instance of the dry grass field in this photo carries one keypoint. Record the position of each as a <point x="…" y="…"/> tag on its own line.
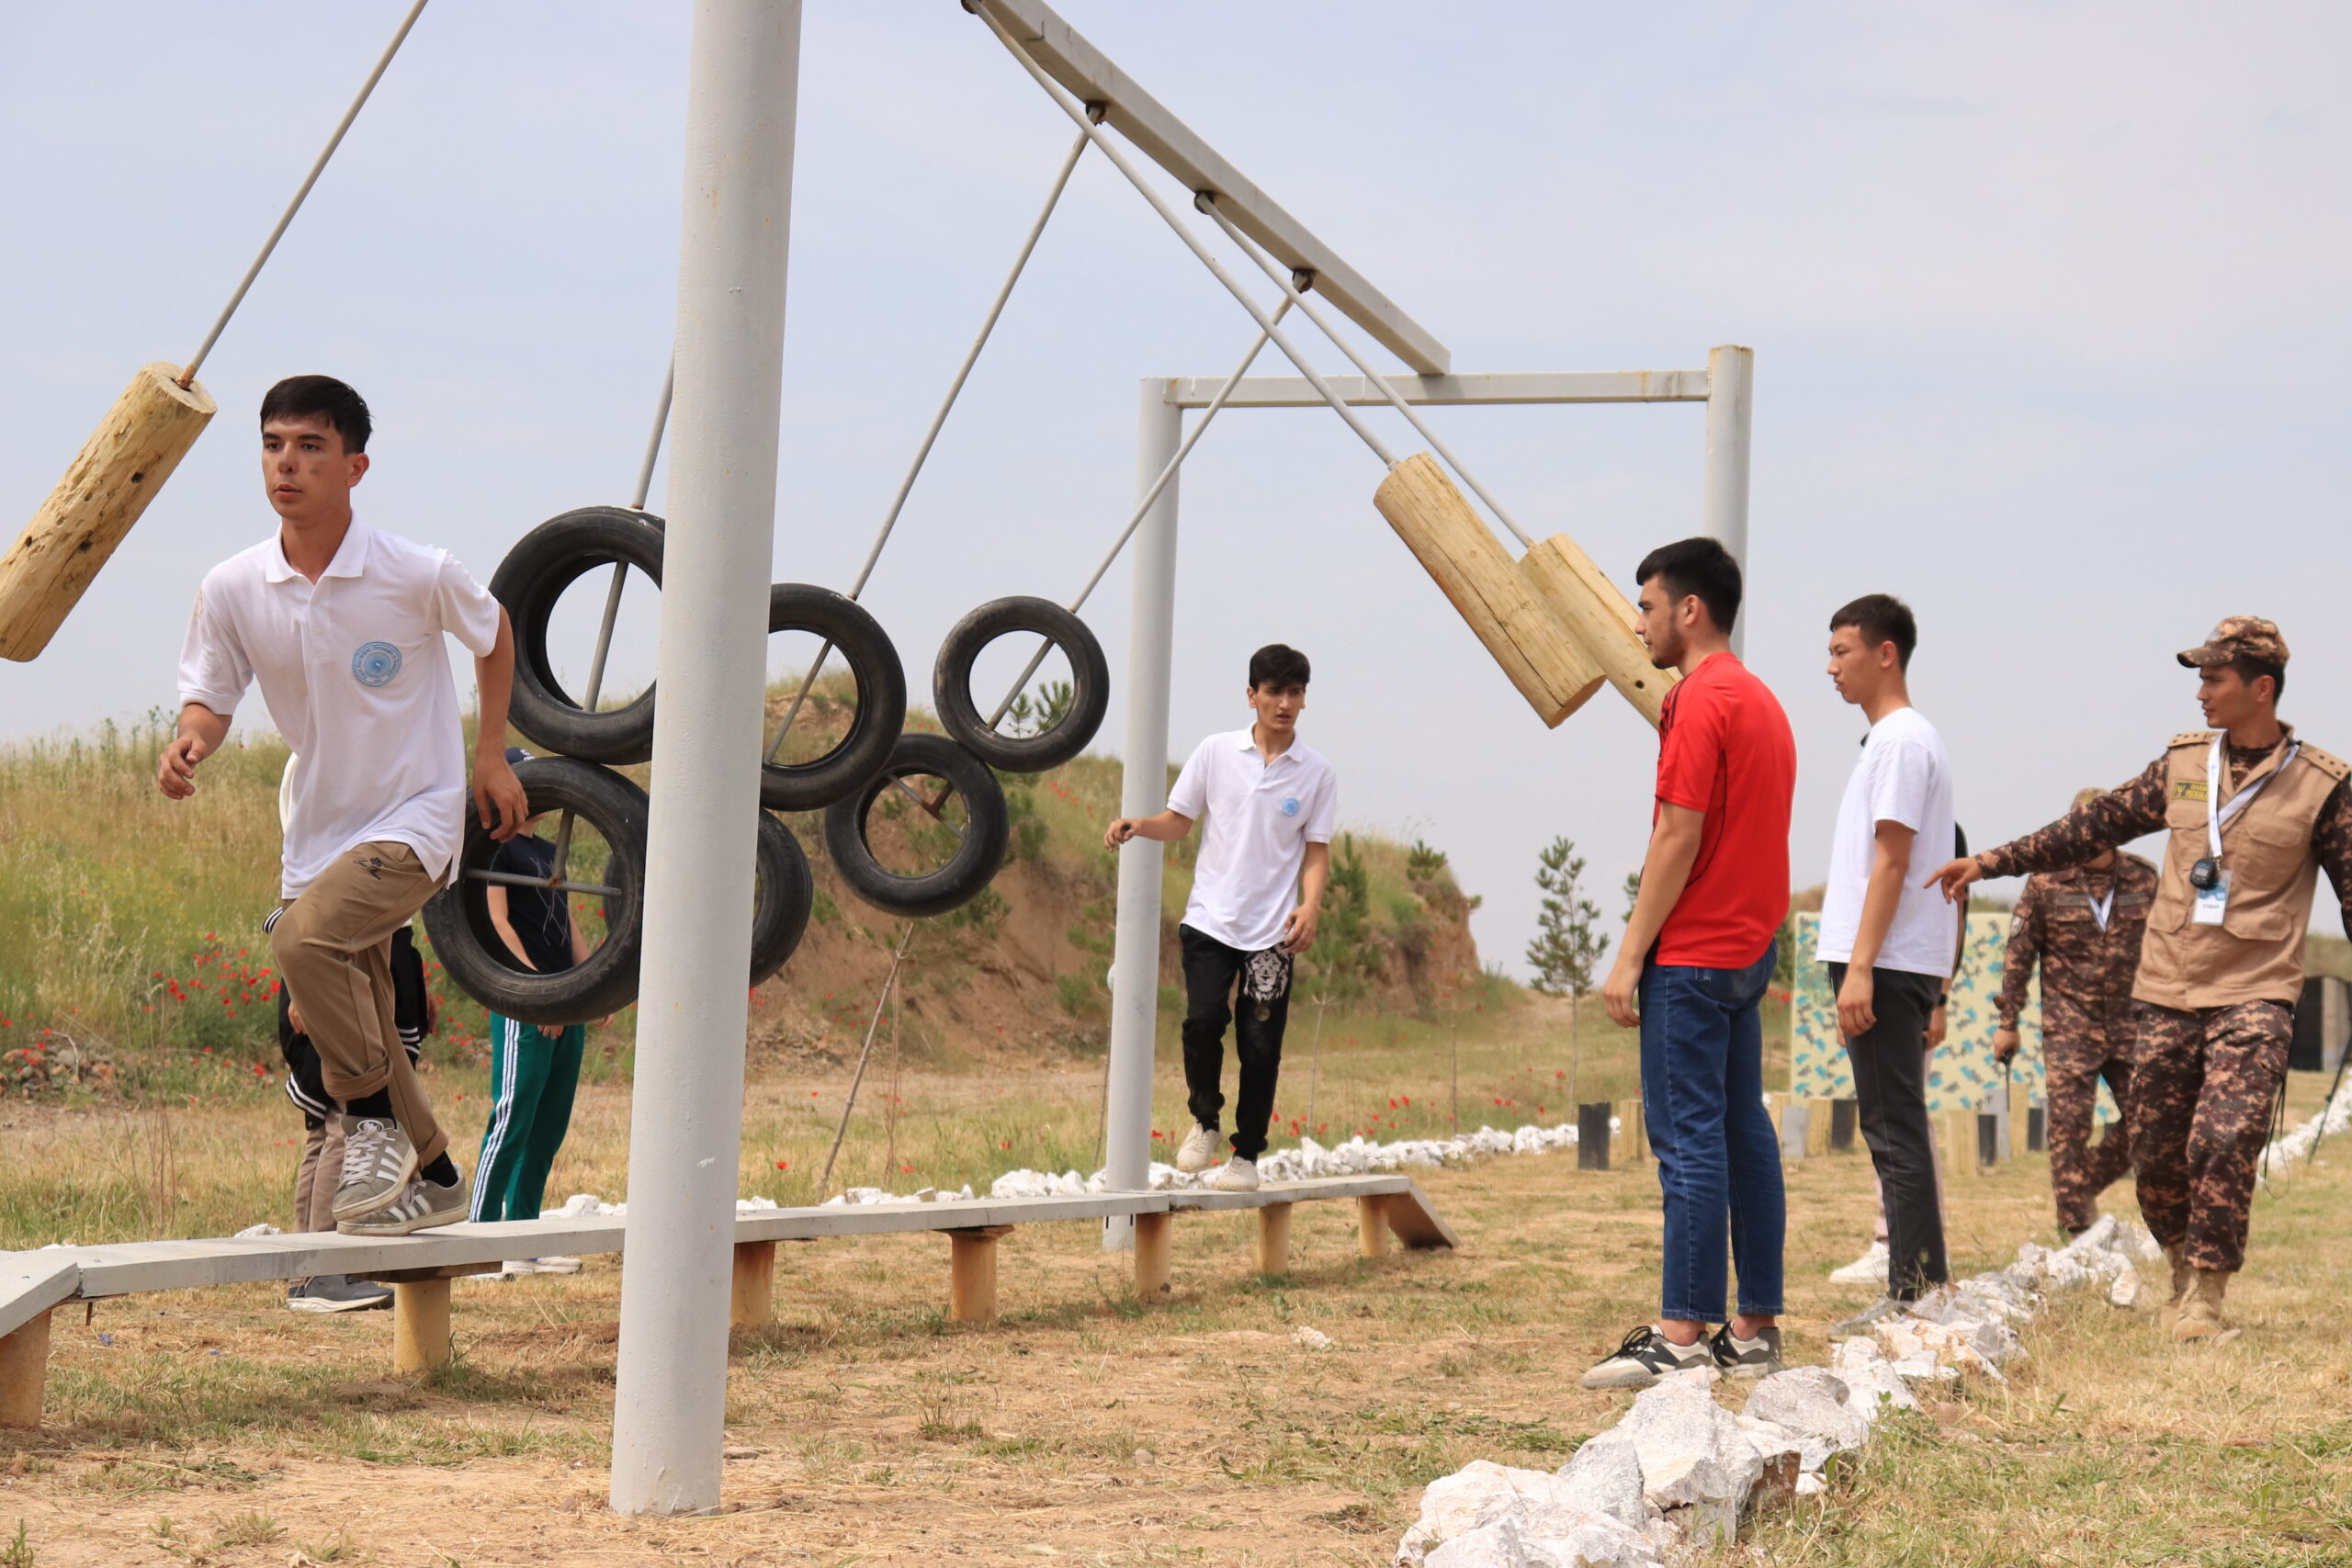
<point x="215" y="1427"/>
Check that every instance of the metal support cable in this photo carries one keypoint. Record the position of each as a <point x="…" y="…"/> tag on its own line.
<point x="1134" y="519"/>
<point x="1093" y="131"/>
<point x="938" y="422"/>
<point x="187" y="375"/>
<point x="871" y="1028"/>
<point x="1206" y="202"/>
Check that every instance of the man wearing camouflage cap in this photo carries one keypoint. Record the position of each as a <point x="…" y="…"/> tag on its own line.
<point x="2251" y="810"/>
<point x="2082" y="927"/>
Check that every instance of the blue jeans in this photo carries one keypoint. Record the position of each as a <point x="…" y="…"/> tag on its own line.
<point x="1718" y="1162"/>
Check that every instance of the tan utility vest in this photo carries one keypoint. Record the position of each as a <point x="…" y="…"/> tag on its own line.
<point x="2257" y="952"/>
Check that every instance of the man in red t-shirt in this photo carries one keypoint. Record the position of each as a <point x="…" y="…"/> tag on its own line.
<point x="1692" y="971"/>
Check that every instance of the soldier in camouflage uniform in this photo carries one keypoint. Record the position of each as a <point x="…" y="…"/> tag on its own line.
<point x="2083" y="925"/>
<point x="2251" y="810"/>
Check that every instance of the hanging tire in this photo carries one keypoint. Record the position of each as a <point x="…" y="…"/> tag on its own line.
<point x="986" y="828"/>
<point x="786" y="892"/>
<point x="533" y="577"/>
<point x="881" y="682"/>
<point x="467" y="945"/>
<point x="951" y="684"/>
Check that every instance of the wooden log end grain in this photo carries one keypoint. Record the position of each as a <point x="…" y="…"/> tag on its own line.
<point x="1542" y="656"/>
<point x="1564" y="580"/>
<point x="118" y="472"/>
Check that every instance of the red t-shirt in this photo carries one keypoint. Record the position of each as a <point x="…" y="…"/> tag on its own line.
<point x="1725" y="748"/>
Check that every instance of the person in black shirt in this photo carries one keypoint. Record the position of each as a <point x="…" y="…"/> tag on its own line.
<point x="533" y="1071"/>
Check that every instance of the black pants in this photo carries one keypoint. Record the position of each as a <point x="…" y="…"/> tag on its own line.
<point x="1890" y="1083"/>
<point x="1210" y="970"/>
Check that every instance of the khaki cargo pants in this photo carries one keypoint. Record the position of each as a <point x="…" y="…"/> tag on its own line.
<point x="334" y="948"/>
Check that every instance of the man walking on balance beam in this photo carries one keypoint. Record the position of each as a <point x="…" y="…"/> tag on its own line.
<point x="2251" y="810"/>
<point x="343" y="628"/>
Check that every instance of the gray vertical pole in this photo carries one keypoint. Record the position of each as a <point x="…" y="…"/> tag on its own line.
<point x="686" y="1117"/>
<point x="1723" y="509"/>
<point x="1143" y="790"/>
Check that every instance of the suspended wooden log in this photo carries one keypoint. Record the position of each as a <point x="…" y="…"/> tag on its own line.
<point x="124" y="463"/>
<point x="1553" y="620"/>
<point x="1550" y="668"/>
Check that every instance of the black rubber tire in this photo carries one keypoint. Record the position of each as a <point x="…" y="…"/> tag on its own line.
<point x="786" y="892"/>
<point x="881" y="680"/>
<point x="987" y="827"/>
<point x="458" y="918"/>
<point x="543" y="563"/>
<point x="951" y="685"/>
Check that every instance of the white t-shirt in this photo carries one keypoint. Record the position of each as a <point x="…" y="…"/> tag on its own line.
<point x="356" y="674"/>
<point x="1903" y="777"/>
<point x="1262" y="815"/>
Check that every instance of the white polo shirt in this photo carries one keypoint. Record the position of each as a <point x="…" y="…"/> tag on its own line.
<point x="358" y="677"/>
<point x="1262" y="815"/>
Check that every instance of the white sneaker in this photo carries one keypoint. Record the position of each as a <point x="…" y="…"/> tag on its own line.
<point x="1869" y="1268"/>
<point x="1239" y="1176"/>
<point x="1202" y="1146"/>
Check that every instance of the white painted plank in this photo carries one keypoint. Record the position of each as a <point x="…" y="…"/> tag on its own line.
<point x="1494" y="386"/>
<point x="31" y="1283"/>
<point x="131" y="1267"/>
<point x="1166" y="140"/>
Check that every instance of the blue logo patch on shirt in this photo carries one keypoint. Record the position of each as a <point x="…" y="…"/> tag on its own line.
<point x="376" y="664"/>
<point x="1290" y="805"/>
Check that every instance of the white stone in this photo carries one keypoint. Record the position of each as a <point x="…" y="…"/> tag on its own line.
<point x="2125" y="1291"/>
<point x="1538" y="1512"/>
<point x="1770" y="1440"/>
<point x="1808" y="1483"/>
<point x="1874" y="1387"/>
<point x="1693" y="1454"/>
<point x="1604" y="1475"/>
<point x="1816" y="1404"/>
<point x="264" y="1228"/>
<point x="1311" y="1338"/>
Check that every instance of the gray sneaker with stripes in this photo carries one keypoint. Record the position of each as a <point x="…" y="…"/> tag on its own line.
<point x="421" y="1205"/>
<point x="378" y="1163"/>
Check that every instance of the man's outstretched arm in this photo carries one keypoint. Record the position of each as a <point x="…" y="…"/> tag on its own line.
<point x="200" y="733"/>
<point x="2101" y="823"/>
<point x="498" y="794"/>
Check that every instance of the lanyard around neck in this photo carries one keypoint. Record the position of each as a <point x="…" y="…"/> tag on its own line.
<point x="2216" y="812"/>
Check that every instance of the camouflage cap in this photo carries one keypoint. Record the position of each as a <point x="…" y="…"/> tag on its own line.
<point x="2239" y="636"/>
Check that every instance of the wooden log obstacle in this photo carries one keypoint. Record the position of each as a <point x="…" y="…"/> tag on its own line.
<point x="1552" y="619"/>
<point x="108" y="484"/>
<point x="419" y="1268"/>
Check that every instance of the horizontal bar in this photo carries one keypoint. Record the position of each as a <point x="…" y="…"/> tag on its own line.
<point x="1506" y="387"/>
<point x="545" y="885"/>
<point x="1168" y="141"/>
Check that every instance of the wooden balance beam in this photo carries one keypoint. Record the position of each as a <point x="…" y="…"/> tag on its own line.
<point x="419" y="1268"/>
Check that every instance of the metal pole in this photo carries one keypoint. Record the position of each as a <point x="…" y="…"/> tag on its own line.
<point x="1143" y="790"/>
<point x="1723" y="509"/>
<point x="686" y="1115"/>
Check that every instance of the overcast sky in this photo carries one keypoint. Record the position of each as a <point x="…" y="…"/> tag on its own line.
<point x="2049" y="308"/>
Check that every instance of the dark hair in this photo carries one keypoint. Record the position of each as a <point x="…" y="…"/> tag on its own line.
<point x="325" y="399"/>
<point x="1881" y="617"/>
<point x="2250" y="669"/>
<point x="1277" y="664"/>
<point x="1699" y="567"/>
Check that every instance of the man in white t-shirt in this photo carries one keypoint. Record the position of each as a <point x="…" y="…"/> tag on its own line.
<point x="343" y="625"/>
<point x="1272" y="802"/>
<point x="1887" y="941"/>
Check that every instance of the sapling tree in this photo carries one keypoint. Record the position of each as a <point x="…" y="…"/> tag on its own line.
<point x="1569" y="942"/>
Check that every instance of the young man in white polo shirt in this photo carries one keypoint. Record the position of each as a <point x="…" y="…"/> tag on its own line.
<point x="1271" y="803"/>
<point x="343" y="626"/>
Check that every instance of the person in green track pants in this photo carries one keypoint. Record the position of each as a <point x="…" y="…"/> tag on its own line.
<point x="534" y="1072"/>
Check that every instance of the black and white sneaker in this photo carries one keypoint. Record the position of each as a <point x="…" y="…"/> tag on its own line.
<point x="1737" y="1358"/>
<point x="1644" y="1357"/>
<point x="338" y="1293"/>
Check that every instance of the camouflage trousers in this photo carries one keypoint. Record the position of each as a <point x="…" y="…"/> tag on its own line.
<point x="2079" y="1169"/>
<point x="2202" y="1085"/>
